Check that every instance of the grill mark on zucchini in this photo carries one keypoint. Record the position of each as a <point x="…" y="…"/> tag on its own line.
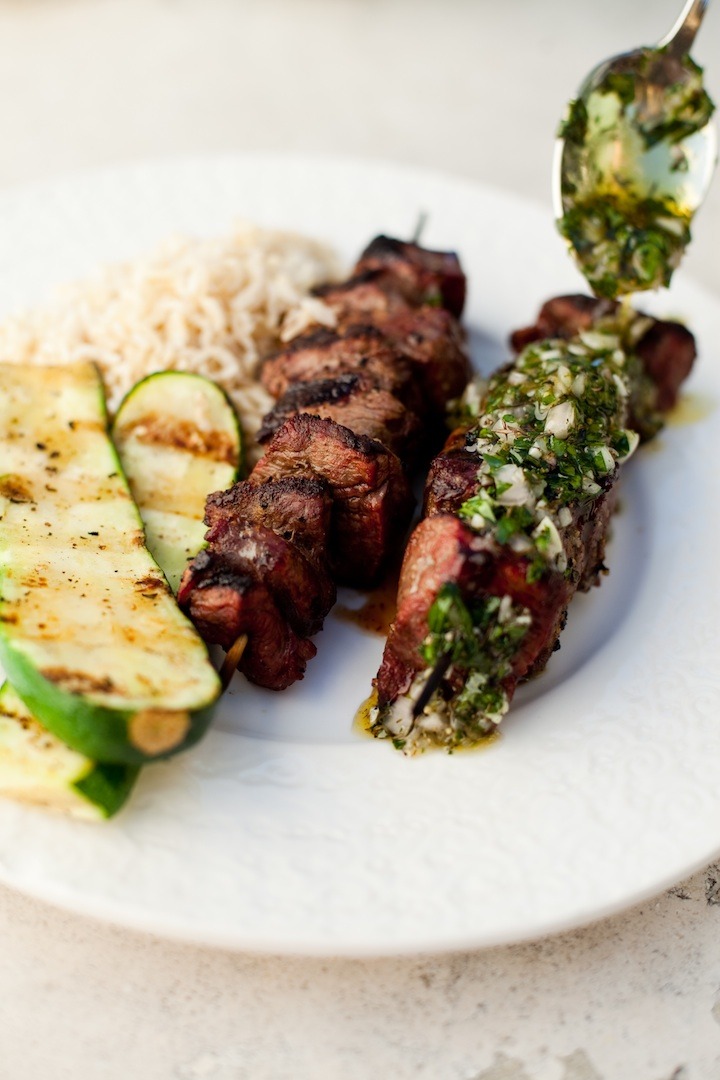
<point x="150" y="586"/>
<point x="156" y="430"/>
<point x="78" y="682"/>
<point x="16" y="489"/>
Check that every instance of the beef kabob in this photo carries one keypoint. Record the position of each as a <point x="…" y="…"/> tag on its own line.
<point x="329" y="502"/>
<point x="516" y="515"/>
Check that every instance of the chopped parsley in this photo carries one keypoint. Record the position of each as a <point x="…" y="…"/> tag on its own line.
<point x="482" y="638"/>
<point x="549" y="438"/>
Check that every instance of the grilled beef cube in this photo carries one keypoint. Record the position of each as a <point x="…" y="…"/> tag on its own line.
<point x="296" y="507"/>
<point x="324" y="354"/>
<point x="431" y="275"/>
<point x="264" y="573"/>
<point x="563" y="316"/>
<point x="303" y="592"/>
<point x="452" y="478"/>
<point x="372" y="502"/>
<point x="442" y="550"/>
<point x="223" y="604"/>
<point x="277" y="532"/>
<point x="371" y="296"/>
<point x="355" y="402"/>
<point x="666" y="349"/>
<point x="431" y="339"/>
<point x="587" y="536"/>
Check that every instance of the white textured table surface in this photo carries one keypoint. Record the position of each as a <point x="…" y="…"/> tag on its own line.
<point x="475" y="89"/>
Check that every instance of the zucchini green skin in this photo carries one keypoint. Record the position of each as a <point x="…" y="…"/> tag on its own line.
<point x="178" y="439"/>
<point x="82" y="724"/>
<point x="90" y="635"/>
<point x="36" y="767"/>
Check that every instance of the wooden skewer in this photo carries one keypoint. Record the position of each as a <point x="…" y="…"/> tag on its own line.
<point x="432" y="683"/>
<point x="422" y="220"/>
<point x="232" y="659"/>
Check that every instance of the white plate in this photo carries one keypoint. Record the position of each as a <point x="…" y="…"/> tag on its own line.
<point x="286" y="832"/>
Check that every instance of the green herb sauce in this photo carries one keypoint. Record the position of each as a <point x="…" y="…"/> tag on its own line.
<point x="483" y="637"/>
<point x="551" y="433"/>
<point x="548" y="433"/>
<point x="627" y="186"/>
<point x="625" y="244"/>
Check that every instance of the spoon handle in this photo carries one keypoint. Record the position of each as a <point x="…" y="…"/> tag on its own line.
<point x="679" y="40"/>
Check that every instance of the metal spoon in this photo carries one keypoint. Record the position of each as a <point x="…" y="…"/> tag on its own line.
<point x="633" y="156"/>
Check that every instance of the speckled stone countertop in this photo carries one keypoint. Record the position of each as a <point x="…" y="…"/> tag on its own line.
<point x="475" y="89"/>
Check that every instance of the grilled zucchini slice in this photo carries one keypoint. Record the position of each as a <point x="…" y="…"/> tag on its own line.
<point x="35" y="767"/>
<point x="90" y="635"/>
<point x="178" y="439"/>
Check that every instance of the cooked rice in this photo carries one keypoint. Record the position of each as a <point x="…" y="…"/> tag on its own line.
<point x="215" y="307"/>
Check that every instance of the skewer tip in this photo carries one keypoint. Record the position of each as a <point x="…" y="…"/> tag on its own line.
<point x="432" y="683"/>
<point x="232" y="659"/>
<point x="420" y="224"/>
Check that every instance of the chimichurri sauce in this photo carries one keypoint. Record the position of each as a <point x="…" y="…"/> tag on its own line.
<point x="629" y="172"/>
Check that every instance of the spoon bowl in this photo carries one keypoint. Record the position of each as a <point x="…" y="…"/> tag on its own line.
<point x="634" y="161"/>
<point x="700" y="148"/>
